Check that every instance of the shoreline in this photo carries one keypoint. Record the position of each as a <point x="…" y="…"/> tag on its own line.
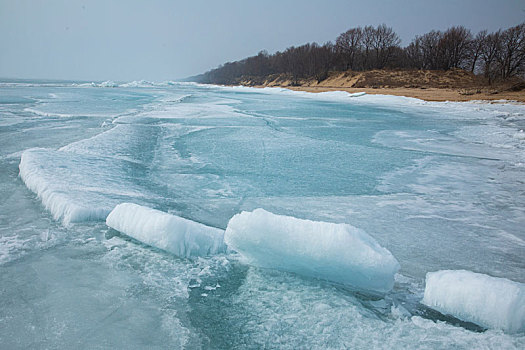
<point x="427" y="94"/>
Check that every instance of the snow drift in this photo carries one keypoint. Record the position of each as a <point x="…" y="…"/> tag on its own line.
<point x="171" y="233"/>
<point x="336" y="252"/>
<point x="485" y="300"/>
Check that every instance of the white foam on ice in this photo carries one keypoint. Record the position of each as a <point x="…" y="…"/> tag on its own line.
<point x="336" y="252"/>
<point x="485" y="300"/>
<point x="177" y="235"/>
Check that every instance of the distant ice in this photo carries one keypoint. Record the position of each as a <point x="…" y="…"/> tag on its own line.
<point x="131" y="84"/>
<point x="108" y="83"/>
<point x="145" y="83"/>
<point x="137" y="83"/>
<point x="335" y="252"/>
<point x="487" y="301"/>
<point x="182" y="237"/>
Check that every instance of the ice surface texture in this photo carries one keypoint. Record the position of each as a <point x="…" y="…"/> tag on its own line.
<point x="79" y="187"/>
<point x="485" y="300"/>
<point x="182" y="237"/>
<point x="336" y="252"/>
<point x="48" y="178"/>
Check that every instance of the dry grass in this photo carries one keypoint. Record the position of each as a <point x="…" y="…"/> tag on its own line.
<point x="452" y="85"/>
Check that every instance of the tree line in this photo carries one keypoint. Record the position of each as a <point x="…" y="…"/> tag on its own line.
<point x="497" y="56"/>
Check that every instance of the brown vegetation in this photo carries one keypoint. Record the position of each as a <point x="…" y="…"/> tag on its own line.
<point x="485" y="64"/>
<point x="431" y="85"/>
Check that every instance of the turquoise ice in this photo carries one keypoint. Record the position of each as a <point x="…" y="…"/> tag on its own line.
<point x="440" y="185"/>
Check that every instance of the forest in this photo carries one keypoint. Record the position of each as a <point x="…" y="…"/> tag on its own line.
<point x="495" y="56"/>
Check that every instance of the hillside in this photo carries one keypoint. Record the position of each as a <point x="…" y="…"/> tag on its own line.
<point x="432" y="85"/>
<point x="438" y="65"/>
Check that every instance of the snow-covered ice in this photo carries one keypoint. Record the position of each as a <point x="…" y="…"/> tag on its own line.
<point x="180" y="236"/>
<point x="488" y="301"/>
<point x="336" y="252"/>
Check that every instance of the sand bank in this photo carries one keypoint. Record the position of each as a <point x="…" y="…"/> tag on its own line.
<point x="430" y="94"/>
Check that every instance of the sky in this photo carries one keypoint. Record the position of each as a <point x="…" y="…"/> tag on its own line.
<point x="162" y="40"/>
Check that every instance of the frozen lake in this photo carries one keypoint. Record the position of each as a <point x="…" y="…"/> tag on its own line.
<point x="440" y="185"/>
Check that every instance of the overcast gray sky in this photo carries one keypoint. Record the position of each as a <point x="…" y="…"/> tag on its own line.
<point x="162" y="40"/>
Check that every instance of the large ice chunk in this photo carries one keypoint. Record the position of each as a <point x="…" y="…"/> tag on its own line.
<point x="334" y="252"/>
<point x="77" y="187"/>
<point x="171" y="233"/>
<point x="485" y="300"/>
<point x="47" y="176"/>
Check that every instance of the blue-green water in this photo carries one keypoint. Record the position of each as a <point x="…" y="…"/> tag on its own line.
<point x="440" y="185"/>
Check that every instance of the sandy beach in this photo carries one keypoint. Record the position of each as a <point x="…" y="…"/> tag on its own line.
<point x="453" y="85"/>
<point x="430" y="94"/>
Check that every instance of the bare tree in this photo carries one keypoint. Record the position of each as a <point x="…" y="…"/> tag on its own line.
<point x="324" y="60"/>
<point x="429" y="44"/>
<point x="368" y="40"/>
<point x="348" y="46"/>
<point x="476" y="48"/>
<point x="499" y="55"/>
<point x="453" y="47"/>
<point x="511" y="56"/>
<point x="489" y="52"/>
<point x="414" y="54"/>
<point x="384" y="40"/>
